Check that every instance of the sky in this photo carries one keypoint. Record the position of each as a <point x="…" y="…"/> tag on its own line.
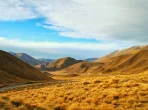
<point x="75" y="28"/>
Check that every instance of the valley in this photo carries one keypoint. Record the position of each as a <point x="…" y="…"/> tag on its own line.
<point x="117" y="81"/>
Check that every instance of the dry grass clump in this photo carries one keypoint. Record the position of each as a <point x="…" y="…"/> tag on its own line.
<point x="85" y="83"/>
<point x="122" y="92"/>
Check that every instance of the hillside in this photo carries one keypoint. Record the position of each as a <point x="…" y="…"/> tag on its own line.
<point x="134" y="59"/>
<point x="128" y="51"/>
<point x="137" y="63"/>
<point x="83" y="67"/>
<point x="27" y="58"/>
<point x="62" y="63"/>
<point x="13" y="70"/>
<point x="7" y="79"/>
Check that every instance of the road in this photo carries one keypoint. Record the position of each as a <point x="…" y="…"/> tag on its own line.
<point x="6" y="88"/>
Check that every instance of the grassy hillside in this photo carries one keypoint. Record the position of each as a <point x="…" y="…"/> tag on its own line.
<point x="128" y="51"/>
<point x="137" y="61"/>
<point x="83" y="67"/>
<point x="7" y="79"/>
<point x="13" y="68"/>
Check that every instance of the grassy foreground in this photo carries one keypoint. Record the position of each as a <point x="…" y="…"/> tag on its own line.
<point x="122" y="92"/>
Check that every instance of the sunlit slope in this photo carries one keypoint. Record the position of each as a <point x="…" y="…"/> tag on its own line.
<point x="128" y="51"/>
<point x="84" y="67"/>
<point x="138" y="61"/>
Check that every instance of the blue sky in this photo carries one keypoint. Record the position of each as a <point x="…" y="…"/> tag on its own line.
<point x="28" y="30"/>
<point x="79" y="29"/>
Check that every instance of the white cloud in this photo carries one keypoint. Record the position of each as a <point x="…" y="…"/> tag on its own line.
<point x="114" y="19"/>
<point x="56" y="49"/>
<point x="38" y="24"/>
<point x="98" y="19"/>
<point x="16" y="10"/>
<point x="56" y="45"/>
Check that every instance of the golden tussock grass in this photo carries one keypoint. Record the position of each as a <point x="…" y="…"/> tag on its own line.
<point x="120" y="92"/>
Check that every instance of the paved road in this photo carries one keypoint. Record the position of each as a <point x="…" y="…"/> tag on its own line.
<point x="24" y="85"/>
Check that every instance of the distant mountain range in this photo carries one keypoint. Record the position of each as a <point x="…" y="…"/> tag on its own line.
<point x="46" y="59"/>
<point x="47" y="64"/>
<point x="133" y="59"/>
<point x="58" y="64"/>
<point x="29" y="59"/>
<point x="26" y="58"/>
<point x="91" y="59"/>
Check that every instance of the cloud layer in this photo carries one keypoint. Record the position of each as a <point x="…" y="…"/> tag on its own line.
<point x="57" y="50"/>
<point x="97" y="19"/>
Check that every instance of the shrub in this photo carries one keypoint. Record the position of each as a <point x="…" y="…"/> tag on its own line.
<point x="2" y="104"/>
<point x="16" y="103"/>
<point x="59" y="107"/>
<point x="5" y="98"/>
<point x="86" y="83"/>
<point x="97" y="81"/>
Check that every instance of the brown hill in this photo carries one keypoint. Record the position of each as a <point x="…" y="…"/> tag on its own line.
<point x="8" y="79"/>
<point x="128" y="51"/>
<point x="83" y="67"/>
<point x="14" y="70"/>
<point x="138" y="61"/>
<point x="117" y="60"/>
<point x="62" y="63"/>
<point x="131" y="60"/>
<point x="43" y="65"/>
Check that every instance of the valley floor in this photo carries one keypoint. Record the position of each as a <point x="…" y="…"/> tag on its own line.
<point x="112" y="92"/>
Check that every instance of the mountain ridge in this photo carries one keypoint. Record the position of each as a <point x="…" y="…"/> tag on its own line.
<point x="26" y="58"/>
